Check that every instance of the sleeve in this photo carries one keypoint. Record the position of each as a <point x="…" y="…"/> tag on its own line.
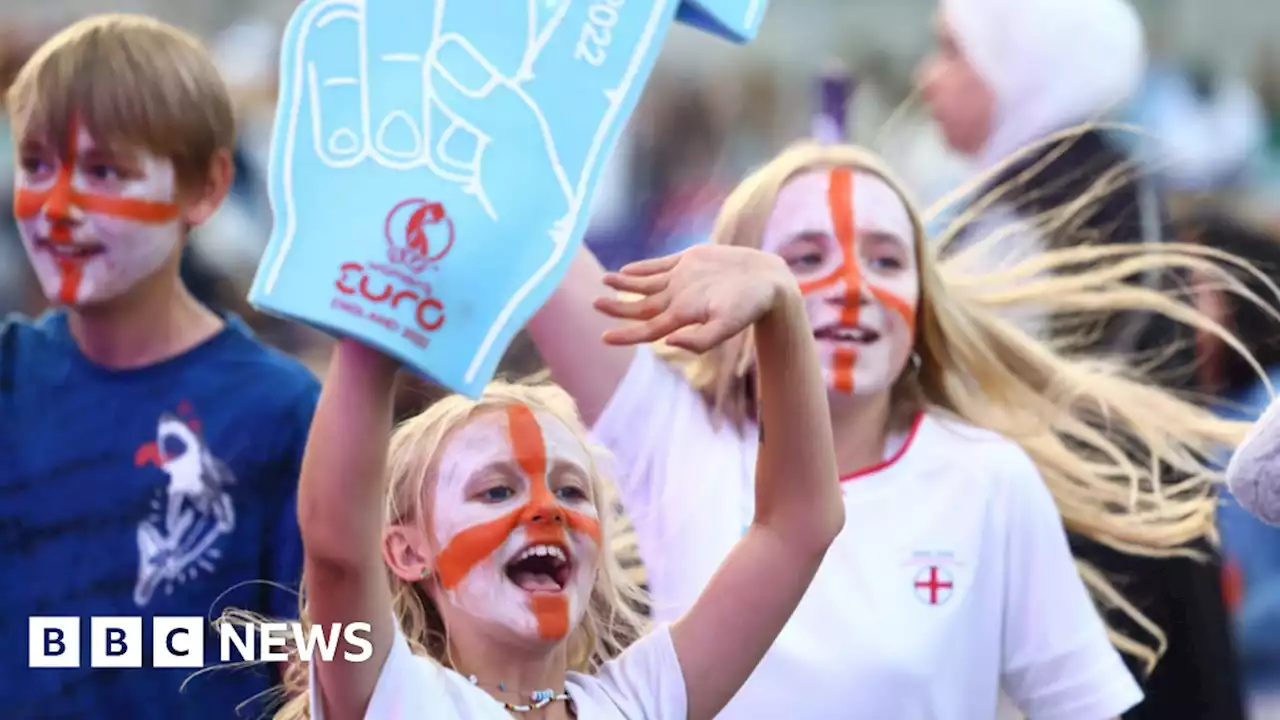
<point x="1254" y="471"/>
<point x="407" y="685"/>
<point x="684" y="484"/>
<point x="646" y="681"/>
<point x="1057" y="661"/>
<point x="653" y="414"/>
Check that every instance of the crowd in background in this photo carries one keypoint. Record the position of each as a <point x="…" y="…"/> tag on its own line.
<point x="1210" y="138"/>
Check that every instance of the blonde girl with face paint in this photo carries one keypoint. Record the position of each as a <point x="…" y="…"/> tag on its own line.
<point x="963" y="447"/>
<point x="478" y="546"/>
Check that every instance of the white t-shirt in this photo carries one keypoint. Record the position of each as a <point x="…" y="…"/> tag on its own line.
<point x="951" y="583"/>
<point x="644" y="682"/>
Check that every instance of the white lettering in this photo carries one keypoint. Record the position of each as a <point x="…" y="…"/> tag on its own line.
<point x="276" y="641"/>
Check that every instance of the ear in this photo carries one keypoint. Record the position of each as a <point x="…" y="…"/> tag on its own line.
<point x="406" y="552"/>
<point x="204" y="201"/>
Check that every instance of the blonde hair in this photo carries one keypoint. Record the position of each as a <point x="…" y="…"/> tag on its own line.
<point x="612" y="619"/>
<point x="1099" y="436"/>
<point x="133" y="82"/>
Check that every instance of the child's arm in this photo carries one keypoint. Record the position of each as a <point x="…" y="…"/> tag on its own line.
<point x="696" y="300"/>
<point x="340" y="499"/>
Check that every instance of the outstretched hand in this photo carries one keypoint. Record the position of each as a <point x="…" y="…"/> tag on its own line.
<point x="695" y="299"/>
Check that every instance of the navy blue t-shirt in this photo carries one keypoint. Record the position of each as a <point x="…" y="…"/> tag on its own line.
<point x="144" y="493"/>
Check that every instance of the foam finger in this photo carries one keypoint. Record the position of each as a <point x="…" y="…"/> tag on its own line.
<point x="642" y="284"/>
<point x="398" y="34"/>
<point x="329" y="52"/>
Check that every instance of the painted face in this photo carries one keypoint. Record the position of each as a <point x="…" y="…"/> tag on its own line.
<point x="94" y="223"/>
<point x="847" y="236"/>
<point x="514" y="516"/>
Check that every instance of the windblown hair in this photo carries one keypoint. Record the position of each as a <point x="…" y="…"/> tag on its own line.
<point x="1106" y="442"/>
<point x="612" y="620"/>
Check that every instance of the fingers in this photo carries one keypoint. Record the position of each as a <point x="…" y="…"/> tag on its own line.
<point x="651" y="266"/>
<point x="700" y="338"/>
<point x="326" y="62"/>
<point x="643" y="285"/>
<point x="471" y="88"/>
<point x="645" y="332"/>
<point x="397" y="35"/>
<point x="642" y="309"/>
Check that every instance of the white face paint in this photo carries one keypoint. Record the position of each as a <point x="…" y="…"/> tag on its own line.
<point x="848" y="238"/>
<point x="96" y="223"/>
<point x="509" y="481"/>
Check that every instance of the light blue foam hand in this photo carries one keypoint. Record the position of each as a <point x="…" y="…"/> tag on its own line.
<point x="736" y="20"/>
<point x="432" y="163"/>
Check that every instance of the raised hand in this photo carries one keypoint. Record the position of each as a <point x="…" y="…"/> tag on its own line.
<point x="433" y="162"/>
<point x="695" y="299"/>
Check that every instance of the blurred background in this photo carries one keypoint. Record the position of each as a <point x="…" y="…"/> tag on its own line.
<point x="712" y="111"/>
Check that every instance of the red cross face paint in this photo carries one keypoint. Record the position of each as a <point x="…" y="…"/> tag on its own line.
<point x="848" y="238"/>
<point x="94" y="224"/>
<point x="514" y="518"/>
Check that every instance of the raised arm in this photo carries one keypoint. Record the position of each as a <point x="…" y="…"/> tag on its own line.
<point x="340" y="496"/>
<point x="567" y="331"/>
<point x="696" y="300"/>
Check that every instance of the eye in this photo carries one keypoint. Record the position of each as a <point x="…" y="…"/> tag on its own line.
<point x="887" y="263"/>
<point x="34" y="165"/>
<point x="571" y="493"/>
<point x="496" y="494"/>
<point x="803" y="255"/>
<point x="103" y="172"/>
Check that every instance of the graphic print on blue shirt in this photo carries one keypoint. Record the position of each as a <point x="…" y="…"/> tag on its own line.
<point x="189" y="513"/>
<point x="169" y="490"/>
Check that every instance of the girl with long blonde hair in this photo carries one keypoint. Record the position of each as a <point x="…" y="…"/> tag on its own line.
<point x="478" y="545"/>
<point x="964" y="447"/>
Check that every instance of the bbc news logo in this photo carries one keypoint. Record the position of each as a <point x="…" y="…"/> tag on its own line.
<point x="179" y="642"/>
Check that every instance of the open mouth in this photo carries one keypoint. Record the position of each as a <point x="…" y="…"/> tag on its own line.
<point x="843" y="333"/>
<point x="540" y="568"/>
<point x="69" y="251"/>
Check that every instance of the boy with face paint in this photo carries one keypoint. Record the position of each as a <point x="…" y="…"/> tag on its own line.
<point x="151" y="445"/>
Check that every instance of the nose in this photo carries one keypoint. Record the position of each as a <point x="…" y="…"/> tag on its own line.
<point x="544" y="514"/>
<point x="58" y="207"/>
<point x="848" y="291"/>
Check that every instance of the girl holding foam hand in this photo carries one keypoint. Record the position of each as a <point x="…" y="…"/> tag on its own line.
<point x="478" y="545"/>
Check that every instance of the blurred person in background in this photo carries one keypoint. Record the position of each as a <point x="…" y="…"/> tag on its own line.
<point x="668" y="186"/>
<point x="1252" y="546"/>
<point x="1010" y="82"/>
<point x="151" y="445"/>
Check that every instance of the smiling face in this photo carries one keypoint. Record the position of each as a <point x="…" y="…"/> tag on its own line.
<point x="94" y="222"/>
<point x="516" y="523"/>
<point x="848" y="238"/>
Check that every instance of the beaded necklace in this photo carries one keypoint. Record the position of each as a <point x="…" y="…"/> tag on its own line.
<point x="538" y="699"/>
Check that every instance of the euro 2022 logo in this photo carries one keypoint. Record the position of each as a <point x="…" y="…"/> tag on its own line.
<point x="464" y="135"/>
<point x="418" y="232"/>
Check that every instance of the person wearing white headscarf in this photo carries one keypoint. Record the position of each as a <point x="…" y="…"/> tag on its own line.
<point x="1011" y="83"/>
<point x="1006" y="79"/>
<point x="1010" y="72"/>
